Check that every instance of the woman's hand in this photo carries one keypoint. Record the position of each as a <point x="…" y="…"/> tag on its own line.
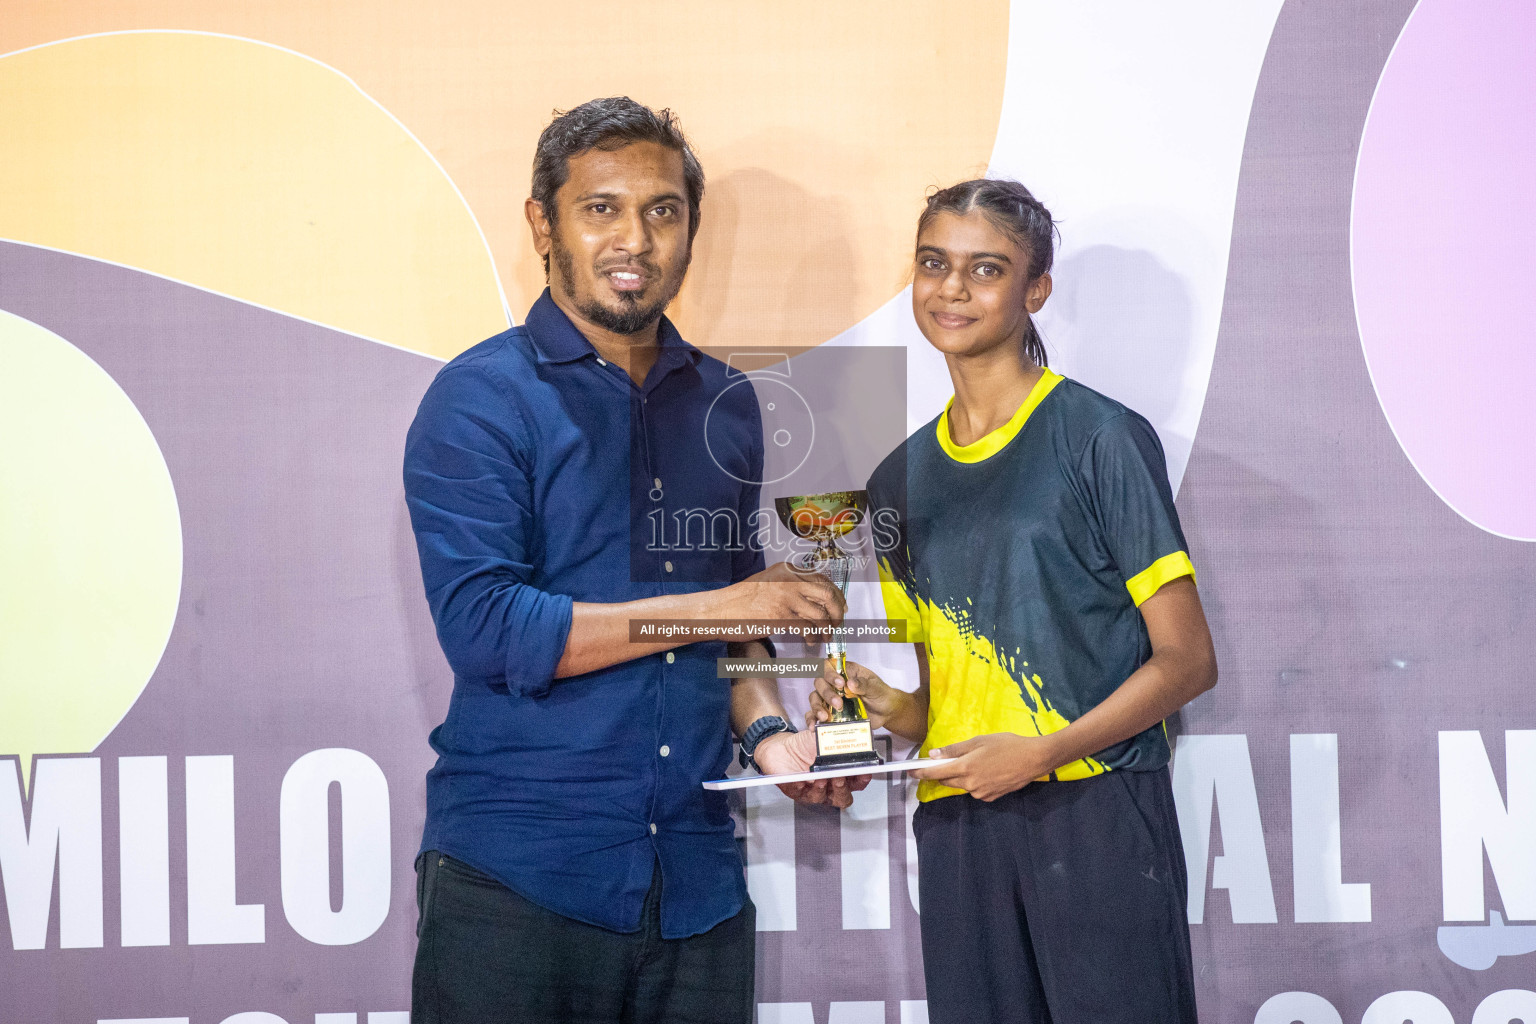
<point x="993" y="765"/>
<point x="793" y="752"/>
<point x="881" y="701"/>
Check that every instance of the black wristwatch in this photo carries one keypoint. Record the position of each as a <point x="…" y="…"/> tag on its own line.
<point x="756" y="733"/>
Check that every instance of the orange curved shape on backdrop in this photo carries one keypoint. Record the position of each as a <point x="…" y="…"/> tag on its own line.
<point x="820" y="125"/>
<point x="245" y="169"/>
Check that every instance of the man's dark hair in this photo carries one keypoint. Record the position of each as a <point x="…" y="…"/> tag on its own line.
<point x="1014" y="211"/>
<point x="609" y="124"/>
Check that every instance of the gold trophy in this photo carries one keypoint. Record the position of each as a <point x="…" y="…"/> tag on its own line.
<point x="847" y="740"/>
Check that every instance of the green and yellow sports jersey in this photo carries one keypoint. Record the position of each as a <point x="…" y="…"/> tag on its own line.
<point x="1020" y="561"/>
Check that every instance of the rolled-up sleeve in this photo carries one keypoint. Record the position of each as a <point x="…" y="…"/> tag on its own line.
<point x="469" y="488"/>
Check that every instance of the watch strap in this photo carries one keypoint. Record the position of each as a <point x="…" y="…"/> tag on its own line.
<point x="757" y="732"/>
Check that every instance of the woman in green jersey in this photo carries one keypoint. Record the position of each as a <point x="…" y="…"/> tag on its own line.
<point x="1041" y="569"/>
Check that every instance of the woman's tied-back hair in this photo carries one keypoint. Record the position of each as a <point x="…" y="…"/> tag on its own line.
<point x="1015" y="211"/>
<point x="609" y="124"/>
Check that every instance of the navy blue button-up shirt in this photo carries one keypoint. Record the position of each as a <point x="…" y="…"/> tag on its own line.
<point x="537" y="475"/>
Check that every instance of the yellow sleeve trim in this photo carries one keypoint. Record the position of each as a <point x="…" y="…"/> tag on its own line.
<point x="1147" y="582"/>
<point x="991" y="444"/>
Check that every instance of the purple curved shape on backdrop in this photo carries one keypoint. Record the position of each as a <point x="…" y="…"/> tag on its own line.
<point x="1443" y="247"/>
<point x="302" y="624"/>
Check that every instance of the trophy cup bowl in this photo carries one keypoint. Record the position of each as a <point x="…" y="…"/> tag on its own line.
<point x="823" y="517"/>
<point x="847" y="739"/>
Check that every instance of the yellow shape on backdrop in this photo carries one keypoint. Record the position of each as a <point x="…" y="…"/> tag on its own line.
<point x="820" y="125"/>
<point x="90" y="548"/>
<point x="247" y="170"/>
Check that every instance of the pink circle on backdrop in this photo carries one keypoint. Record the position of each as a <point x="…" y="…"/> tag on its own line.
<point x="1443" y="253"/>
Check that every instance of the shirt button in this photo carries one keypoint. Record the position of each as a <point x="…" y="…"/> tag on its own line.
<point x="653" y="828"/>
<point x="601" y="361"/>
<point x="666" y="751"/>
<point x="669" y="567"/>
<point x="671" y="657"/>
<point x="658" y="483"/>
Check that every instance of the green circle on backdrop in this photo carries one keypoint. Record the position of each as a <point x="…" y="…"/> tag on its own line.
<point x="90" y="547"/>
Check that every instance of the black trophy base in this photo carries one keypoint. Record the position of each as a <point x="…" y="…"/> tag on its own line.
<point x="854" y="759"/>
<point x="845" y="745"/>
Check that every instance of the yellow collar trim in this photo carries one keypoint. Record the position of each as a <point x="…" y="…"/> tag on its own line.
<point x="991" y="444"/>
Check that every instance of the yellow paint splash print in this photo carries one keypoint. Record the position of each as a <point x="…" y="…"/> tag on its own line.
<point x="974" y="689"/>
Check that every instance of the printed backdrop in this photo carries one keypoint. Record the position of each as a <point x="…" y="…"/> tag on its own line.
<point x="237" y="241"/>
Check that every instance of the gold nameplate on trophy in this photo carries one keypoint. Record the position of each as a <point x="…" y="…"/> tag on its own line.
<point x="843" y="738"/>
<point x="847" y="740"/>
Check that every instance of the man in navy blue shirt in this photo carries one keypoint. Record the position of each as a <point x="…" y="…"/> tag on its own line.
<point x="572" y="867"/>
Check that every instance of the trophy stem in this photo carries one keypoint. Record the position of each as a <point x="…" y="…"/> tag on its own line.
<point x="835" y="566"/>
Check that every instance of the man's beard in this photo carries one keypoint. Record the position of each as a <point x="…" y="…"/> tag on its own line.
<point x="633" y="317"/>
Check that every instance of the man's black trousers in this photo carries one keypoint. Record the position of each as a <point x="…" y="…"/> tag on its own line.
<point x="486" y="955"/>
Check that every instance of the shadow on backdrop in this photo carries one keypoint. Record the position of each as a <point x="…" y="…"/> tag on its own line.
<point x="1121" y="323"/>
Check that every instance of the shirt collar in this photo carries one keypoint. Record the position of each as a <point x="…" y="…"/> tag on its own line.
<point x="558" y="341"/>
